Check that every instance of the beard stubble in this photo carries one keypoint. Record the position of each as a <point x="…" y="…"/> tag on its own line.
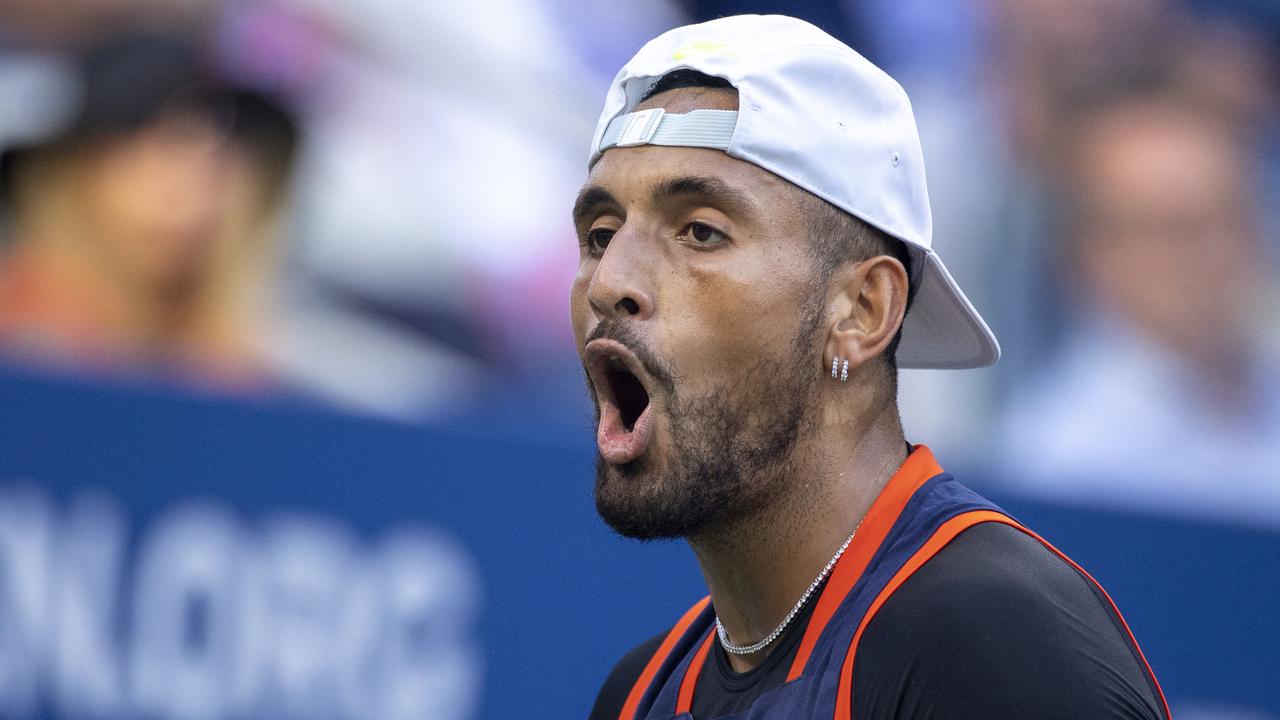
<point x="731" y="451"/>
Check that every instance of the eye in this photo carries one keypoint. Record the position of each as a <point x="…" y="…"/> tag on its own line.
<point x="698" y="233"/>
<point x="598" y="239"/>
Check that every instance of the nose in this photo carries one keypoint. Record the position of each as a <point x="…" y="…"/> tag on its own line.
<point x="620" y="285"/>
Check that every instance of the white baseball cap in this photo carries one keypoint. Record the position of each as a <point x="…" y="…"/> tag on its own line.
<point x="818" y="114"/>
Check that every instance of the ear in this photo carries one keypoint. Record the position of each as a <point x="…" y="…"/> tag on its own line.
<point x="870" y="302"/>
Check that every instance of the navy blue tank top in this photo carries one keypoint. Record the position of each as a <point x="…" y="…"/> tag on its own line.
<point x="920" y="510"/>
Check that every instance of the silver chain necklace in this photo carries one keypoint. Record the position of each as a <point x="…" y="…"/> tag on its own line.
<point x="728" y="645"/>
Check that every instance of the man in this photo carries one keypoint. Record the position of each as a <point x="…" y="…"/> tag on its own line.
<point x="1155" y="394"/>
<point x="753" y="230"/>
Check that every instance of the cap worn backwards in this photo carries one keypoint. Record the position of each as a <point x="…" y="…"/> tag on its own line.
<point x="818" y="114"/>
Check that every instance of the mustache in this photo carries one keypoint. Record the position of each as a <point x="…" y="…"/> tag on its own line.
<point x="625" y="334"/>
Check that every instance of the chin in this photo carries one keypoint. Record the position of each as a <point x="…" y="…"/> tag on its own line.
<point x="630" y="499"/>
<point x="641" y="500"/>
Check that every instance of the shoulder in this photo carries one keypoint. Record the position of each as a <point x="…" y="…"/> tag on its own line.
<point x="992" y="562"/>
<point x="613" y="694"/>
<point x="996" y="625"/>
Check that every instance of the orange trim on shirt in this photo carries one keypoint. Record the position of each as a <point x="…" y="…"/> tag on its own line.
<point x="944" y="535"/>
<point x="915" y="471"/>
<point x="655" y="663"/>
<point x="939" y="540"/>
<point x="684" y="701"/>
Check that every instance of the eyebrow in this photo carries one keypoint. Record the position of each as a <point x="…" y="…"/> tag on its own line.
<point x="590" y="198"/>
<point x="706" y="190"/>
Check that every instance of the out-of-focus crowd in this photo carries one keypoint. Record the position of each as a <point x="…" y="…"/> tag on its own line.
<point x="1107" y="173"/>
<point x="366" y="205"/>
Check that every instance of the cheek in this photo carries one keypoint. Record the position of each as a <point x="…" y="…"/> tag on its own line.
<point x="579" y="307"/>
<point x="730" y="324"/>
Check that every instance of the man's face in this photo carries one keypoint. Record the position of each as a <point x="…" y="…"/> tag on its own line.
<point x="699" y="325"/>
<point x="156" y="197"/>
<point x="1168" y="235"/>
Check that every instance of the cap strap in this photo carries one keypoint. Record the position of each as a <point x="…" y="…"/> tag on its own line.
<point x="696" y="128"/>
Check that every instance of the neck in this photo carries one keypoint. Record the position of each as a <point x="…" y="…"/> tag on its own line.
<point x="758" y="568"/>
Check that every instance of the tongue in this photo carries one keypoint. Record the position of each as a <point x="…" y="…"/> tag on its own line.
<point x="617" y="444"/>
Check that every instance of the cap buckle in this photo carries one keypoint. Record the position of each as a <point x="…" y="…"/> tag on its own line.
<point x="640" y="127"/>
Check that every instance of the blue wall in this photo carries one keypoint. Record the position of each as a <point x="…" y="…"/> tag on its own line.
<point x="175" y="556"/>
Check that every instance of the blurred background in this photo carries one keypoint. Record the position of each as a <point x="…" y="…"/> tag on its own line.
<point x="283" y="335"/>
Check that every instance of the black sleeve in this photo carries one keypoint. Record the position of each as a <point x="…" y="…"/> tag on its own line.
<point x="996" y="626"/>
<point x="613" y="694"/>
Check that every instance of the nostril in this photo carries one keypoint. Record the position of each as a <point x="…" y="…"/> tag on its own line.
<point x="628" y="306"/>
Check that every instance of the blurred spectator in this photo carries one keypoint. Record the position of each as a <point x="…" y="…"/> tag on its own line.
<point x="429" y="247"/>
<point x="141" y="223"/>
<point x="1129" y="375"/>
<point x="1163" y="391"/>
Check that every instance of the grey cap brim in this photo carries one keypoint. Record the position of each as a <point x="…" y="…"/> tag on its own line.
<point x="942" y="330"/>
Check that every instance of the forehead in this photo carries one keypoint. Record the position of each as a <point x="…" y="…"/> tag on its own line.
<point x="636" y="170"/>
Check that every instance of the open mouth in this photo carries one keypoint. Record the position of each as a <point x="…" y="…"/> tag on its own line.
<point x="628" y="392"/>
<point x="623" y="399"/>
